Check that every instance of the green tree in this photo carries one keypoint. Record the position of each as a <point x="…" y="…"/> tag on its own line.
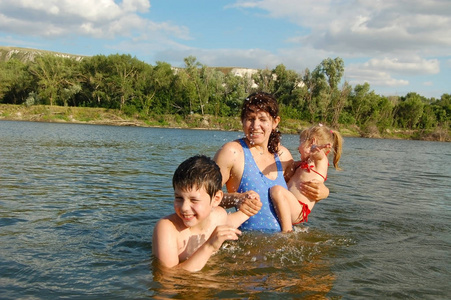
<point x="95" y="72"/>
<point x="235" y="90"/>
<point x="15" y="82"/>
<point x="53" y="74"/>
<point x="123" y="78"/>
<point x="163" y="83"/>
<point x="308" y="89"/>
<point x="327" y="75"/>
<point x="287" y="88"/>
<point x="196" y="83"/>
<point x="361" y="101"/>
<point x="264" y="79"/>
<point x="339" y="101"/>
<point x="409" y="111"/>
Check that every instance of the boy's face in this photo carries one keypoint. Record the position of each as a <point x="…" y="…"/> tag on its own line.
<point x="194" y="205"/>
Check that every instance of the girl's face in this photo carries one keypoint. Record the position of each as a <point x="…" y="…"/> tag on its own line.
<point x="258" y="125"/>
<point x="304" y="148"/>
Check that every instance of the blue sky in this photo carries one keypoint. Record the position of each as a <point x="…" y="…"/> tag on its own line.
<point x="397" y="46"/>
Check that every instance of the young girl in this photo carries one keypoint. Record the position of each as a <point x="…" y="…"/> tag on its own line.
<point x="291" y="206"/>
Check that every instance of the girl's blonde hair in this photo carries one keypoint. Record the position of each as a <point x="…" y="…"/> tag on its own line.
<point x="325" y="135"/>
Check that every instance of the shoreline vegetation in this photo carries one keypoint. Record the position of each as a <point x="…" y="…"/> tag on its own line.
<point x="115" y="117"/>
<point x="119" y="89"/>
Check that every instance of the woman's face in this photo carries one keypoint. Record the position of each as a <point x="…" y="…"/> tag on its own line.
<point x="258" y="125"/>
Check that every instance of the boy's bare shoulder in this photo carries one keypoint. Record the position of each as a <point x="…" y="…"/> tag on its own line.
<point x="170" y="222"/>
<point x="220" y="214"/>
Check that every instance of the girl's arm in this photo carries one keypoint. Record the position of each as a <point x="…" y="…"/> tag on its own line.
<point x="315" y="189"/>
<point x="319" y="157"/>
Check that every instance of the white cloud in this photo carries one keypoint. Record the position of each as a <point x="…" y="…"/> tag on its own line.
<point x="99" y="19"/>
<point x="366" y="27"/>
<point x="246" y="58"/>
<point x="380" y="71"/>
<point x="359" y="74"/>
<point x="404" y="66"/>
<point x="391" y="40"/>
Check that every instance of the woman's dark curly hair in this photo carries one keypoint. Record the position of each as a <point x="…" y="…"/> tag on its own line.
<point x="266" y="102"/>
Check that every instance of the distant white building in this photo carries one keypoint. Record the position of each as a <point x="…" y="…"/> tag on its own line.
<point x="241" y="72"/>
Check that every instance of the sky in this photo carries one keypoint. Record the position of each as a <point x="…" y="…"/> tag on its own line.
<point x="397" y="46"/>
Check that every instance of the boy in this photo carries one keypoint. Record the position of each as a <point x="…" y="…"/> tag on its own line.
<point x="187" y="238"/>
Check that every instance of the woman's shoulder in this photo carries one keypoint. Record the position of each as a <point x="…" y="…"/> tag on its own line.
<point x="287" y="162"/>
<point x="232" y="147"/>
<point x="284" y="154"/>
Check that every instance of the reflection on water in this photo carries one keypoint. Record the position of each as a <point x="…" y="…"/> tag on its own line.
<point x="78" y="204"/>
<point x="258" y="264"/>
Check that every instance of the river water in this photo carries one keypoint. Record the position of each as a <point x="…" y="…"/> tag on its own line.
<point x="78" y="204"/>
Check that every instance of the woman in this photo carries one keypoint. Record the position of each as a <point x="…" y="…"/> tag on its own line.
<point x="252" y="165"/>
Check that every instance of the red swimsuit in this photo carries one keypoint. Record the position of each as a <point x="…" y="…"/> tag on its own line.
<point x="304" y="165"/>
<point x="305" y="210"/>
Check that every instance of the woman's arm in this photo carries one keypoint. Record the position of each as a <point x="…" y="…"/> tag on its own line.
<point x="230" y="159"/>
<point x="288" y="163"/>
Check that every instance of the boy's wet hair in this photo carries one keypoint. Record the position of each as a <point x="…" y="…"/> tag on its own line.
<point x="268" y="103"/>
<point x="198" y="171"/>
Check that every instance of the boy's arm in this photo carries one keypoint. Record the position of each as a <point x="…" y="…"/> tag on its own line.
<point x="164" y="243"/>
<point x="235" y="219"/>
<point x="199" y="258"/>
<point x="165" y="248"/>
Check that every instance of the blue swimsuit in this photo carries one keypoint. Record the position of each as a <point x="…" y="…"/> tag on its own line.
<point x="254" y="179"/>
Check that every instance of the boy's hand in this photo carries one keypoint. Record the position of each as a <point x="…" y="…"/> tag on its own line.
<point x="250" y="203"/>
<point x="221" y="234"/>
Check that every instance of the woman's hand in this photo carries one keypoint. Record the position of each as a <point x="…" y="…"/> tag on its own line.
<point x="249" y="203"/>
<point x="314" y="189"/>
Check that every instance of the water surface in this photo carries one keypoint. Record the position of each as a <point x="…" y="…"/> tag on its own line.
<point x="78" y="205"/>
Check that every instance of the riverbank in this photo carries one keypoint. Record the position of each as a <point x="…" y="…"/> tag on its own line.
<point x="102" y="116"/>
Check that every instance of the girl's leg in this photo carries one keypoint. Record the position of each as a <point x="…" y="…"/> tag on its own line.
<point x="286" y="205"/>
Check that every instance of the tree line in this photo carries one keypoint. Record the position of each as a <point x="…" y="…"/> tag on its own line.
<point x="137" y="88"/>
